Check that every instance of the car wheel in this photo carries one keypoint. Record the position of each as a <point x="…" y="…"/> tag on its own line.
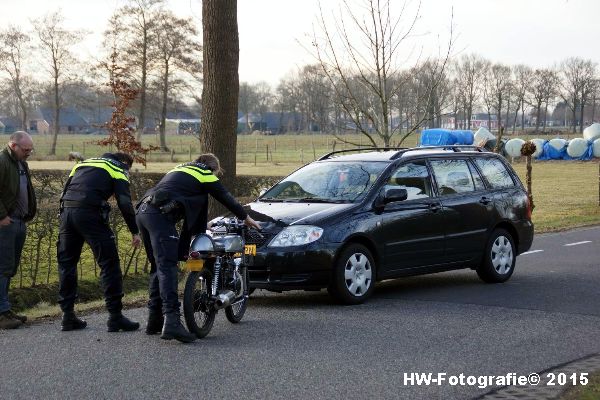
<point x="499" y="259"/>
<point x="353" y="278"/>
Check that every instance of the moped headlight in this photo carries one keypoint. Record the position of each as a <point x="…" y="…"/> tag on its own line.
<point x="296" y="235"/>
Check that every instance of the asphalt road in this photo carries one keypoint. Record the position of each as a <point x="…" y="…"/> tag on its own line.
<point x="300" y="345"/>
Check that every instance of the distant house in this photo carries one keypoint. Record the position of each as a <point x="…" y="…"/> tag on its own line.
<point x="272" y="122"/>
<point x="478" y="120"/>
<point x="10" y="124"/>
<point x="70" y="120"/>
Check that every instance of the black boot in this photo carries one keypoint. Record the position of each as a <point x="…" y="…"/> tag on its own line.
<point x="155" y="322"/>
<point x="118" y="322"/>
<point x="70" y="322"/>
<point x="173" y="329"/>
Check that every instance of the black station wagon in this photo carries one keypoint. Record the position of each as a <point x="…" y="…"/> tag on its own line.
<point x="353" y="218"/>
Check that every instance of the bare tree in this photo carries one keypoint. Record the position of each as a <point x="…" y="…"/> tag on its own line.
<point x="56" y="42"/>
<point x="496" y="87"/>
<point x="220" y="39"/>
<point x="522" y="77"/>
<point x="177" y="49"/>
<point x="363" y="70"/>
<point x="138" y="20"/>
<point x="542" y="89"/>
<point x="469" y="74"/>
<point x="14" y="45"/>
<point x="577" y="79"/>
<point x="247" y="102"/>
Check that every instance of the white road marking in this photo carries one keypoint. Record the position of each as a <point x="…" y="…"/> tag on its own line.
<point x="531" y="252"/>
<point x="576" y="243"/>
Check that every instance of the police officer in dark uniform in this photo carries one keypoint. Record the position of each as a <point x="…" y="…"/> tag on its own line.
<point x="181" y="193"/>
<point x="84" y="217"/>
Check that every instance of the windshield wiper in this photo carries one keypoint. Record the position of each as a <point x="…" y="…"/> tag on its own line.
<point x="271" y="199"/>
<point x="318" y="200"/>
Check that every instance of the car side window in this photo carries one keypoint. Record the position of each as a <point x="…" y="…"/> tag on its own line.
<point x="495" y="172"/>
<point x="413" y="177"/>
<point x="479" y="185"/>
<point x="452" y="176"/>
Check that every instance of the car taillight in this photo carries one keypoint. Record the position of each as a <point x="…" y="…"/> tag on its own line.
<point x="194" y="255"/>
<point x="528" y="214"/>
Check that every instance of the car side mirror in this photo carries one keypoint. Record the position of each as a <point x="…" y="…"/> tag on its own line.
<point x="262" y="191"/>
<point x="391" y="195"/>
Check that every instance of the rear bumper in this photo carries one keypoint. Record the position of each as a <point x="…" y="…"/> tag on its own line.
<point x="525" y="230"/>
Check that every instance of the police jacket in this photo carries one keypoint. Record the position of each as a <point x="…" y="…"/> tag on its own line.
<point x="9" y="185"/>
<point x="93" y="181"/>
<point x="189" y="185"/>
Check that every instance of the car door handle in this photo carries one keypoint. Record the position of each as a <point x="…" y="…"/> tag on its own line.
<point x="435" y="207"/>
<point x="485" y="200"/>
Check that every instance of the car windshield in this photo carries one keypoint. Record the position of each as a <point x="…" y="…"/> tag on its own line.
<point x="327" y="182"/>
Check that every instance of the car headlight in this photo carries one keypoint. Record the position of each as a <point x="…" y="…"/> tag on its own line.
<point x="296" y="235"/>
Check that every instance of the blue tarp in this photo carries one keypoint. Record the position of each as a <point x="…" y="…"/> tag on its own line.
<point x="550" y="153"/>
<point x="443" y="137"/>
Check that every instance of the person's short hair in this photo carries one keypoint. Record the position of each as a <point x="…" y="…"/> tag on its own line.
<point x="17" y="136"/>
<point x="211" y="161"/>
<point x="124" y="158"/>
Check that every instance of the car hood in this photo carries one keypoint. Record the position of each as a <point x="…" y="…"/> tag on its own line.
<point x="283" y="214"/>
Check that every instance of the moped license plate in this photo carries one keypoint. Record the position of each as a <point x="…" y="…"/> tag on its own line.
<point x="194" y="265"/>
<point x="250" y="249"/>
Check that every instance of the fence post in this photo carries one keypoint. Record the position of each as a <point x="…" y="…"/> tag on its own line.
<point x="267" y="152"/>
<point x="190" y="152"/>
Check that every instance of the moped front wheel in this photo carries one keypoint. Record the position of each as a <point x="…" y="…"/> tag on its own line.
<point x="197" y="310"/>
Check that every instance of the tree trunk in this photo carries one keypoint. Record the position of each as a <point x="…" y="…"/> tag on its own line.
<point x="142" y="118"/>
<point x="56" y="118"/>
<point x="163" y="111"/>
<point x="221" y="85"/>
<point x="581" y="117"/>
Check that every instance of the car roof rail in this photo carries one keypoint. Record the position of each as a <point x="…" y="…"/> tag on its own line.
<point x="457" y="148"/>
<point x="329" y="155"/>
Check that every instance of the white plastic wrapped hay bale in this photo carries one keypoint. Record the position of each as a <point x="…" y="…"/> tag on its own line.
<point x="481" y="136"/>
<point x="513" y="147"/>
<point x="558" y="143"/>
<point x="539" y="147"/>
<point x="592" y="132"/>
<point x="577" y="147"/>
<point x="596" y="148"/>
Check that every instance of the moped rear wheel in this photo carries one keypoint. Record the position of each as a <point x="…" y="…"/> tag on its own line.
<point x="197" y="310"/>
<point x="235" y="312"/>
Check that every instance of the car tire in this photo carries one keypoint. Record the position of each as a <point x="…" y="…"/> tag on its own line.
<point x="353" y="277"/>
<point x="499" y="259"/>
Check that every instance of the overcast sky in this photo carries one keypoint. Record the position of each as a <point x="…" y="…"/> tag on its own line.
<point x="538" y="33"/>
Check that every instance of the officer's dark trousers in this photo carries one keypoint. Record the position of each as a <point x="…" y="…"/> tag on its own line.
<point x="78" y="225"/>
<point x="160" y="238"/>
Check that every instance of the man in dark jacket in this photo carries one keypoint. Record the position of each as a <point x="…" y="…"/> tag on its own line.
<point x="182" y="192"/>
<point x="84" y="218"/>
<point x="17" y="206"/>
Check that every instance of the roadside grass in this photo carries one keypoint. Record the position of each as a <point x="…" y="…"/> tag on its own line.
<point x="591" y="391"/>
<point x="565" y="194"/>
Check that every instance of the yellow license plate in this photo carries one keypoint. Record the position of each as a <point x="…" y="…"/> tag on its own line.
<point x="250" y="249"/>
<point x="194" y="265"/>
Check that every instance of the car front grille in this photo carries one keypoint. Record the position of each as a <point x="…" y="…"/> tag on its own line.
<point x="259" y="239"/>
<point x="252" y="237"/>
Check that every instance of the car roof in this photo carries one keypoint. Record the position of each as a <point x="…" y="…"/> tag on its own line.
<point x="389" y="154"/>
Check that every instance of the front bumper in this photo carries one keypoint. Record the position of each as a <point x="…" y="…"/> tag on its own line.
<point x="292" y="268"/>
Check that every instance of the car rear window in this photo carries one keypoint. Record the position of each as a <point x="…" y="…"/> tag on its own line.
<point x="495" y="172"/>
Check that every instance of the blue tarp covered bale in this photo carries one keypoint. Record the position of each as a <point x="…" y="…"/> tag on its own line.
<point x="445" y="137"/>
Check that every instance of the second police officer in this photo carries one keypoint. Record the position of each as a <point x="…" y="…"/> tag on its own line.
<point x="84" y="218"/>
<point x="181" y="193"/>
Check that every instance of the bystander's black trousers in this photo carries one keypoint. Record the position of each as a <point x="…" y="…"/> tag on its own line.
<point x="161" y="240"/>
<point x="79" y="225"/>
